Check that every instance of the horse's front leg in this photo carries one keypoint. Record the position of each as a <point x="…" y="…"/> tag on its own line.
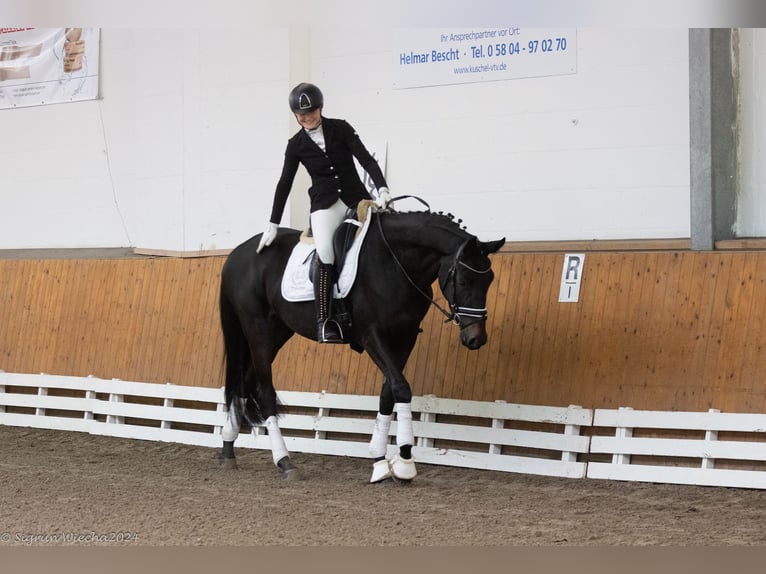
<point x="395" y="396"/>
<point x="381" y="469"/>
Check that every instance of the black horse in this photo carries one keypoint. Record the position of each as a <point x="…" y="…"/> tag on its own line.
<point x="403" y="254"/>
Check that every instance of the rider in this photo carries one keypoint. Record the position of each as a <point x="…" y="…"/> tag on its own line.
<point x="326" y="148"/>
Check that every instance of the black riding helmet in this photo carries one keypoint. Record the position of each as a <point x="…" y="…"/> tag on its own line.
<point x="305" y="98"/>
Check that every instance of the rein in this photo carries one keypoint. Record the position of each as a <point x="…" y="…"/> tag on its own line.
<point x="456" y="311"/>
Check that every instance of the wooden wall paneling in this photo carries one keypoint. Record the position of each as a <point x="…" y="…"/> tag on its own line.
<point x="645" y="318"/>
<point x="173" y="344"/>
<point x="15" y="282"/>
<point x="98" y="344"/>
<point x="53" y="334"/>
<point x="619" y="332"/>
<point x="521" y="328"/>
<point x="209" y="353"/>
<point x="31" y="322"/>
<point x="325" y="375"/>
<point x="557" y="379"/>
<point x="308" y="357"/>
<point x="593" y="353"/>
<point x="659" y="330"/>
<point x="681" y="311"/>
<point x="498" y="296"/>
<point x="606" y="344"/>
<point x="753" y="363"/>
<point x="550" y="344"/>
<point x="42" y="311"/>
<point x="184" y="334"/>
<point x="79" y="300"/>
<point x="117" y="349"/>
<point x="10" y="288"/>
<point x="734" y="331"/>
<point x="528" y="351"/>
<point x="722" y="269"/>
<point x="152" y="306"/>
<point x="168" y="340"/>
<point x="47" y="316"/>
<point x="673" y="340"/>
<point x="702" y="297"/>
<point x="672" y="306"/>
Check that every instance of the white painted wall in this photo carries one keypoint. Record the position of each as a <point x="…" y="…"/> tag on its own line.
<point x="751" y="209"/>
<point x="603" y="154"/>
<point x="181" y="153"/>
<point x="184" y="149"/>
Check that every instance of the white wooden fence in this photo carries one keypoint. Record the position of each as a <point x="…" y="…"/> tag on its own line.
<point x="572" y="442"/>
<point x="706" y="460"/>
<point x="478" y="435"/>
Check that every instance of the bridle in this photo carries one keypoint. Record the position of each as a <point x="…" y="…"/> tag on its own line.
<point x="457" y="313"/>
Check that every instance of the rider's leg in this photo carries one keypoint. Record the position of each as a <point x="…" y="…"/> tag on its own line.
<point x="324" y="222"/>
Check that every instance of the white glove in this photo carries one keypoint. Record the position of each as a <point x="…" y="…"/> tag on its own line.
<point x="383" y="198"/>
<point x="268" y="236"/>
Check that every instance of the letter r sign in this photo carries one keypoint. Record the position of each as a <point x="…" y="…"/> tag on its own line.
<point x="571" y="274"/>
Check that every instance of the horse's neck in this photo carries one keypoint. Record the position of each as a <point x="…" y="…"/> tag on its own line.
<point x="426" y="240"/>
<point x="431" y="233"/>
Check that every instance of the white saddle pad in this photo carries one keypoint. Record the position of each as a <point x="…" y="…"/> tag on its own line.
<point x="296" y="285"/>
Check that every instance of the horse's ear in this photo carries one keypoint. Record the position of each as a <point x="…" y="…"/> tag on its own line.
<point x="488" y="247"/>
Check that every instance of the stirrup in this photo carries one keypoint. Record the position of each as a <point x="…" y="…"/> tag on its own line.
<point x="329" y="335"/>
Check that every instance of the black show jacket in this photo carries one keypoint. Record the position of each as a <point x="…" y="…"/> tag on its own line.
<point x="333" y="173"/>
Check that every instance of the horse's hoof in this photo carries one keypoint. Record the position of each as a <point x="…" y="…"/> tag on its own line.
<point x="229" y="464"/>
<point x="403" y="468"/>
<point x="288" y="470"/>
<point x="291" y="474"/>
<point x="381" y="471"/>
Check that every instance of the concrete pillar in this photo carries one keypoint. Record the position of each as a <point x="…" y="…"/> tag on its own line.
<point x="713" y="135"/>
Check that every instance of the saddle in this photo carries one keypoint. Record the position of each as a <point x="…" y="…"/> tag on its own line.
<point x="344" y="236"/>
<point x="296" y="280"/>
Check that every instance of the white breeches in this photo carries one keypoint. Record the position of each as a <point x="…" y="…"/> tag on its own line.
<point x="323" y="225"/>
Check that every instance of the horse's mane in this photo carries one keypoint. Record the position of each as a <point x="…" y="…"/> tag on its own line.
<point x="430" y="219"/>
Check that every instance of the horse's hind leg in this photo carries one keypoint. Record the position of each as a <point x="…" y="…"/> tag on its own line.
<point x="230" y="432"/>
<point x="279" y="451"/>
<point x="265" y="396"/>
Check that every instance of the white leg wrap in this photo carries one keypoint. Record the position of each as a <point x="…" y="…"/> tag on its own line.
<point x="379" y="440"/>
<point x="404" y="433"/>
<point x="230" y="430"/>
<point x="278" y="448"/>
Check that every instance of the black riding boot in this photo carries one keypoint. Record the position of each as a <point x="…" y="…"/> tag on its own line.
<point x="328" y="330"/>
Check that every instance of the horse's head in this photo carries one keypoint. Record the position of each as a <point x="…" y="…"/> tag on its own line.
<point x="464" y="278"/>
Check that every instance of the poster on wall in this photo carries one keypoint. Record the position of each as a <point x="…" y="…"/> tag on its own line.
<point x="433" y="57"/>
<point x="40" y="66"/>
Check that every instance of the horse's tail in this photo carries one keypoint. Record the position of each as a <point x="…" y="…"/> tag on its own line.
<point x="240" y="378"/>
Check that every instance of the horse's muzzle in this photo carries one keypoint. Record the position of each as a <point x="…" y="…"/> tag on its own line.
<point x="474" y="335"/>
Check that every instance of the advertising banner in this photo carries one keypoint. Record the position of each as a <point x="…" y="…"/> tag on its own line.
<point x="41" y="66"/>
<point x="432" y="56"/>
